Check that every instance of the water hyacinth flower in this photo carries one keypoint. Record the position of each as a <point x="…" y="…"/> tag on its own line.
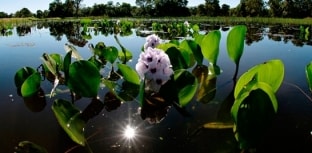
<point x="154" y="65"/>
<point x="151" y="41"/>
<point x="187" y="24"/>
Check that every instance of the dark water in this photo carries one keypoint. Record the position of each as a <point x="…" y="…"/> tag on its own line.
<point x="21" y="120"/>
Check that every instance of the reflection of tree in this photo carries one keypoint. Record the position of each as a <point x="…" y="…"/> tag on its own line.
<point x="254" y="34"/>
<point x="70" y="29"/>
<point x="297" y="35"/>
<point x="23" y="30"/>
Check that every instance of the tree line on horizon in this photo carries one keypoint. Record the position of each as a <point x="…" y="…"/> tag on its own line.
<point x="178" y="8"/>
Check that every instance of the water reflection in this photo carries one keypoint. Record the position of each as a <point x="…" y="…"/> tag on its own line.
<point x="107" y="127"/>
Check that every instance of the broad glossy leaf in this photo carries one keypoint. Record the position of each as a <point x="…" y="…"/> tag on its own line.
<point x="84" y="78"/>
<point x="110" y="54"/>
<point x="210" y="46"/>
<point x="176" y="58"/>
<point x="309" y="75"/>
<point x="199" y="38"/>
<point x="235" y="42"/>
<point x="66" y="64"/>
<point x="31" y="85"/>
<point x="98" y="49"/>
<point x="129" y="74"/>
<point x="270" y="72"/>
<point x="69" y="118"/>
<point x="22" y="74"/>
<point x="253" y="114"/>
<point x="194" y="50"/>
<point x="166" y="46"/>
<point x="186" y="85"/>
<point x="127" y="56"/>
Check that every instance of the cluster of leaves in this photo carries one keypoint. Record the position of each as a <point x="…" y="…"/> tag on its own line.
<point x="192" y="78"/>
<point x="176" y="29"/>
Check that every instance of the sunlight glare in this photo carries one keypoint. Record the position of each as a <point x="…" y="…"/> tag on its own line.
<point x="129" y="132"/>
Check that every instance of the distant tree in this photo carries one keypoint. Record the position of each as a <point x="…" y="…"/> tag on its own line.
<point x="225" y="10"/>
<point x="68" y="8"/>
<point x="77" y="6"/>
<point x="39" y="14"/>
<point x="254" y="7"/>
<point x="171" y="8"/>
<point x="212" y="7"/>
<point x="276" y="9"/>
<point x="3" y="15"/>
<point x="24" y="12"/>
<point x="145" y="6"/>
<point x="124" y="10"/>
<point x="56" y="9"/>
<point x="201" y="10"/>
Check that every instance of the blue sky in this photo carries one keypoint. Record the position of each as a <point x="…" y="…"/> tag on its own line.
<point x="11" y="6"/>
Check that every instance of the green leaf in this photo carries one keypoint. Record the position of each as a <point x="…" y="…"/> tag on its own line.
<point x="84" y="78"/>
<point x="176" y="58"/>
<point x="235" y="42"/>
<point x="270" y="72"/>
<point x="194" y="50"/>
<point x="127" y="56"/>
<point x="22" y="74"/>
<point x="142" y="93"/>
<point x="98" y="49"/>
<point x="253" y="114"/>
<point x="166" y="46"/>
<point x="69" y="118"/>
<point x="66" y="64"/>
<point x="309" y="75"/>
<point x="186" y="85"/>
<point x="49" y="63"/>
<point x="210" y="46"/>
<point x="129" y="74"/>
<point x="31" y="85"/>
<point x="110" y="54"/>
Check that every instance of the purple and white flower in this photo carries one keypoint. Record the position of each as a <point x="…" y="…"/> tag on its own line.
<point x="154" y="65"/>
<point x="151" y="41"/>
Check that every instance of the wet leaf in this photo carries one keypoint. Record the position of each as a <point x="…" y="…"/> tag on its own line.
<point x="194" y="50"/>
<point x="110" y="54"/>
<point x="235" y="42"/>
<point x="210" y="46"/>
<point x="129" y="74"/>
<point x="69" y="118"/>
<point x="309" y="75"/>
<point x="270" y="72"/>
<point x="253" y="114"/>
<point x="84" y="78"/>
<point x="176" y="58"/>
<point x="127" y="56"/>
<point x="31" y="85"/>
<point x="22" y="74"/>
